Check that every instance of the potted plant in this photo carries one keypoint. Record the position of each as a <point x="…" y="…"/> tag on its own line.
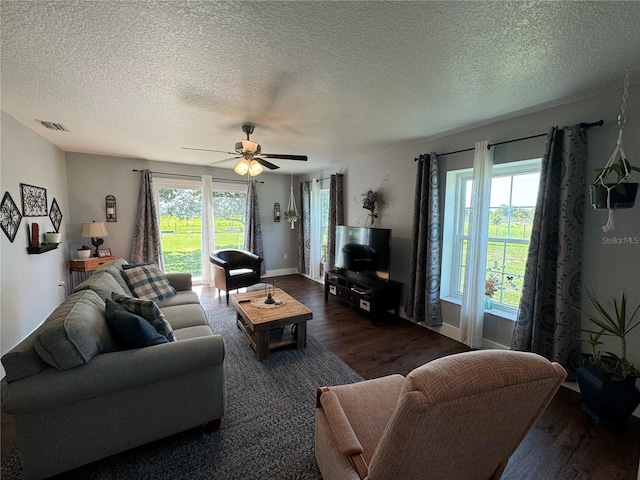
<point x="623" y="193"/>
<point x="608" y="381"/>
<point x="291" y="216"/>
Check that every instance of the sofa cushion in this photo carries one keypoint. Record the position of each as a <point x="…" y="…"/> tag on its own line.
<point x="75" y="332"/>
<point x="115" y="269"/>
<point x="180" y="298"/>
<point x="183" y="316"/>
<point x="148" y="310"/>
<point x="131" y="330"/>
<point x="148" y="281"/>
<point x="193" y="332"/>
<point x="22" y="360"/>
<point x="103" y="283"/>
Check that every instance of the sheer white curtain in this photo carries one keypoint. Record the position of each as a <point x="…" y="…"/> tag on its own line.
<point x="472" y="310"/>
<point x="315" y="220"/>
<point x="208" y="235"/>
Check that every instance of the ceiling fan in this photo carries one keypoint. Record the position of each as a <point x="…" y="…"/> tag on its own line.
<point x="250" y="154"/>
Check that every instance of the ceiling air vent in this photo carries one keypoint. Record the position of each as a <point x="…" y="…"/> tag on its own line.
<point x="52" y="126"/>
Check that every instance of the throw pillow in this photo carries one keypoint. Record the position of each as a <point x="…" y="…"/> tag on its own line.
<point x="148" y="310"/>
<point x="134" y="265"/>
<point x="131" y="330"/>
<point x="148" y="281"/>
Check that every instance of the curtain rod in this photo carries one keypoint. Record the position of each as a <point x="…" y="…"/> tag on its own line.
<point x="327" y="178"/>
<point x="200" y="177"/>
<point x="599" y="123"/>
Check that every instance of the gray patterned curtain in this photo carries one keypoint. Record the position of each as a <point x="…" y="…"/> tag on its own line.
<point x="252" y="230"/>
<point x="423" y="299"/>
<point x="146" y="245"/>
<point x="546" y="323"/>
<point x="336" y="216"/>
<point x="304" y="232"/>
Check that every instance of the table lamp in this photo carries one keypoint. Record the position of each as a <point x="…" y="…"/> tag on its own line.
<point x="95" y="230"/>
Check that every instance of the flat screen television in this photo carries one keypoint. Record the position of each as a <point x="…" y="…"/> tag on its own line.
<point x="364" y="250"/>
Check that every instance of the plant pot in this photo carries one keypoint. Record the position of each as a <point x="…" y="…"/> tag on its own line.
<point x="619" y="199"/>
<point x="84" y="254"/>
<point x="52" y="237"/>
<point x="607" y="401"/>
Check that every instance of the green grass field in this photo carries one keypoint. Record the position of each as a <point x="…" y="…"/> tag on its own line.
<point x="182" y="240"/>
<point x="503" y="262"/>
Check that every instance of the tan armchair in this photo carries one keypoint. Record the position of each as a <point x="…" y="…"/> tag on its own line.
<point x="457" y="417"/>
<point x="233" y="269"/>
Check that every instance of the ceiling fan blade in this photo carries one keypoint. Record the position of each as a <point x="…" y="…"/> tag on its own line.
<point x="209" y="150"/>
<point x="264" y="163"/>
<point x="302" y="158"/>
<point x="225" y="160"/>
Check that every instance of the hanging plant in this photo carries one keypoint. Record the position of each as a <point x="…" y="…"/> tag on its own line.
<point x="622" y="193"/>
<point x="291" y="216"/>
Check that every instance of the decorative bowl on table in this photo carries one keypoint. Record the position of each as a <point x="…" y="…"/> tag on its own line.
<point x="83" y="254"/>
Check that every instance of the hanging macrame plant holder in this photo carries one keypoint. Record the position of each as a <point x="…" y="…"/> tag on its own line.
<point x="622" y="193"/>
<point x="292" y="215"/>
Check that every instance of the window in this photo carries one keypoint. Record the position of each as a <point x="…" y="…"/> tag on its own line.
<point x="324" y="216"/>
<point x="514" y="190"/>
<point x="180" y="209"/>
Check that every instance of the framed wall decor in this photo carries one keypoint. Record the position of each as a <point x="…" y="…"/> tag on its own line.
<point x="34" y="201"/>
<point x="55" y="215"/>
<point x="104" y="252"/>
<point x="10" y="217"/>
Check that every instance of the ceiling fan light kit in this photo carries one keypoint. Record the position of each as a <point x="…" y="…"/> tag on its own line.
<point x="255" y="168"/>
<point x="242" y="167"/>
<point x="252" y="160"/>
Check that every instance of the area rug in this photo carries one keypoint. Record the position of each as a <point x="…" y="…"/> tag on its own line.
<point x="267" y="431"/>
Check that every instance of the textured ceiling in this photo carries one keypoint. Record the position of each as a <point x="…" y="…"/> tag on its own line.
<point x="332" y="80"/>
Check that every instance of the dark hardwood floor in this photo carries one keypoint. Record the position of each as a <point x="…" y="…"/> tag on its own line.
<point x="563" y="444"/>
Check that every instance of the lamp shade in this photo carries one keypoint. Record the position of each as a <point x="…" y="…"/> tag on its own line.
<point x="255" y="168"/>
<point x="242" y="167"/>
<point x="94" y="229"/>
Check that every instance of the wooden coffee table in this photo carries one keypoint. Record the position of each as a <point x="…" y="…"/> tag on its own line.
<point x="256" y="319"/>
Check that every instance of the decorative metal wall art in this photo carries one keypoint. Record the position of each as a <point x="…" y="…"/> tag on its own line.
<point x="10" y="217"/>
<point x="55" y="215"/>
<point x="34" y="201"/>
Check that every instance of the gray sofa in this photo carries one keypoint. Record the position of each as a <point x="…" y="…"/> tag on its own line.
<point x="113" y="400"/>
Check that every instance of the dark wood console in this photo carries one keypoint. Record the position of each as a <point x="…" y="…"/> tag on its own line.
<point x="370" y="295"/>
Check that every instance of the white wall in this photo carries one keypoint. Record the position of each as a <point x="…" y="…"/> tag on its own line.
<point x="93" y="177"/>
<point x="29" y="283"/>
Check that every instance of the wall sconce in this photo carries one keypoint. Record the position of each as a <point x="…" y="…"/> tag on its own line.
<point x="276" y="212"/>
<point x="110" y="202"/>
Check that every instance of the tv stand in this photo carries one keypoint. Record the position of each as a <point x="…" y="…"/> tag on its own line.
<point x="370" y="295"/>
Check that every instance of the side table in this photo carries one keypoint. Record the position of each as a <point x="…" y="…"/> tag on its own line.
<point x="80" y="270"/>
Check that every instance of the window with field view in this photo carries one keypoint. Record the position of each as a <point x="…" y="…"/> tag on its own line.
<point x="514" y="190"/>
<point x="180" y="209"/>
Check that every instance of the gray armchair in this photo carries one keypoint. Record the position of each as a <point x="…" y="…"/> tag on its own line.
<point x="234" y="269"/>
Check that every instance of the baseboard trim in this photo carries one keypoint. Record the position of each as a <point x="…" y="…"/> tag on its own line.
<point x="279" y="272"/>
<point x="454" y="333"/>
